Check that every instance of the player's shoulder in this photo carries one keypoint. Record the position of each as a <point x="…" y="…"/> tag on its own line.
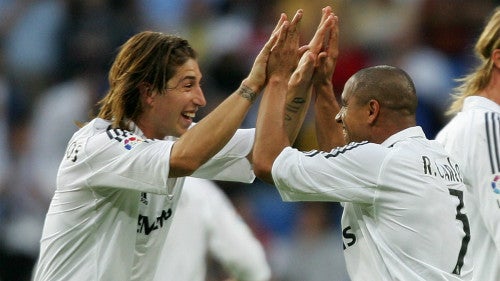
<point x="476" y="123"/>
<point x="98" y="136"/>
<point x="362" y="149"/>
<point x="469" y="124"/>
<point x="92" y="128"/>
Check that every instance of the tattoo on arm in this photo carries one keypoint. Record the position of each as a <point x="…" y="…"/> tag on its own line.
<point x="247" y="93"/>
<point x="293" y="107"/>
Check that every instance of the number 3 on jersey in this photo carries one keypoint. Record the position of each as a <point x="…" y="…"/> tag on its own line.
<point x="465" y="222"/>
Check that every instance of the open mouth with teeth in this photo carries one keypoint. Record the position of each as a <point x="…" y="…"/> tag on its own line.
<point x="189" y="115"/>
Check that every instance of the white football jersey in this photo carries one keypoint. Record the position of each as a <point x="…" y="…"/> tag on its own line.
<point x="114" y="203"/>
<point x="473" y="138"/>
<point x="206" y="223"/>
<point x="404" y="217"/>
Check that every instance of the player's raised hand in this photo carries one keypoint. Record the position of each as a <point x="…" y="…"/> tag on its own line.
<point x="257" y="77"/>
<point x="328" y="132"/>
<point x="316" y="44"/>
<point x="285" y="53"/>
<point x="327" y="58"/>
<point x="301" y="78"/>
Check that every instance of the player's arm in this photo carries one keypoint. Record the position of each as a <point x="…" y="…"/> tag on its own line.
<point x="205" y="139"/>
<point x="300" y="83"/>
<point x="298" y="98"/>
<point x="271" y="132"/>
<point x="231" y="241"/>
<point x="328" y="131"/>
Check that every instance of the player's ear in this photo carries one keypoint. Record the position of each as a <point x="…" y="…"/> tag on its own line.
<point x="146" y="93"/>
<point x="495" y="57"/>
<point x="373" y="111"/>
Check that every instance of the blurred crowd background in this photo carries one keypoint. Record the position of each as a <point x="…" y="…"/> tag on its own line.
<point x="54" y="58"/>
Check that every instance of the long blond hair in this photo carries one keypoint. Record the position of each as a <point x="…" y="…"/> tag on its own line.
<point x="147" y="57"/>
<point x="476" y="81"/>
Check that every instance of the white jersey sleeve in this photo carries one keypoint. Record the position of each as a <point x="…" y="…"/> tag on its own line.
<point x="331" y="177"/>
<point x="233" y="155"/>
<point x="232" y="242"/>
<point x="98" y="157"/>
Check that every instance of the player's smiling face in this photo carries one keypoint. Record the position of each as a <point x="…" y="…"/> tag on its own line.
<point x="350" y="115"/>
<point x="175" y="108"/>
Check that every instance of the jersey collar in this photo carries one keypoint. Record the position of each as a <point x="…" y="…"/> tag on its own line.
<point x="133" y="128"/>
<point x="412" y="132"/>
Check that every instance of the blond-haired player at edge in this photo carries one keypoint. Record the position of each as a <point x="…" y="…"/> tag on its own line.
<point x="473" y="138"/>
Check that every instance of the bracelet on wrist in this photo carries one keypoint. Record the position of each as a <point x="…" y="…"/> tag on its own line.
<point x="247" y="93"/>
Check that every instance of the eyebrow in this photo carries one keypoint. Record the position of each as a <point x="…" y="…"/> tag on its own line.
<point x="191" y="78"/>
<point x="188" y="77"/>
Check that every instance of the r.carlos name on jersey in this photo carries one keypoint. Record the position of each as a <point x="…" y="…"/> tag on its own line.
<point x="442" y="168"/>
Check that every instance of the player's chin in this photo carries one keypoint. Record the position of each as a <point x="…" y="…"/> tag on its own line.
<point x="185" y="121"/>
<point x="182" y="129"/>
<point x="183" y="126"/>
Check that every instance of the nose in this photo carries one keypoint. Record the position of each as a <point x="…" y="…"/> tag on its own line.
<point x="340" y="114"/>
<point x="199" y="99"/>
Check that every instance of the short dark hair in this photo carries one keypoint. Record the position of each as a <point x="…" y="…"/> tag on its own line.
<point x="392" y="87"/>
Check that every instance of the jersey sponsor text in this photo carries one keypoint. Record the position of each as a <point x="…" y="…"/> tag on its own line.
<point x="348" y="237"/>
<point x="143" y="225"/>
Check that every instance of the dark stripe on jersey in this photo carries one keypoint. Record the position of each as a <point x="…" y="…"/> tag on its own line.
<point x="120" y="134"/>
<point x="492" y="123"/>
<point x="336" y="151"/>
<point x="109" y="132"/>
<point x="312" y="153"/>
<point x="117" y="134"/>
<point x="345" y="148"/>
